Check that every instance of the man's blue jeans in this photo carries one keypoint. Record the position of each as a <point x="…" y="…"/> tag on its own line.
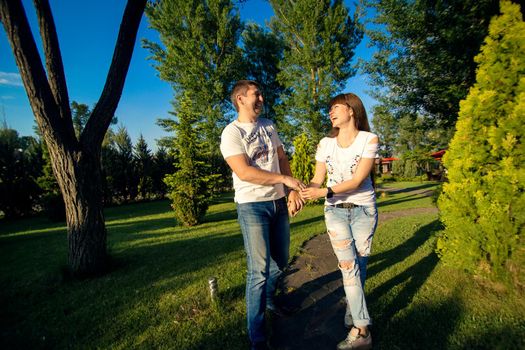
<point x="266" y="233"/>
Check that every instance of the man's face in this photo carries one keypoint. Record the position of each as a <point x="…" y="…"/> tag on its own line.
<point x="253" y="102"/>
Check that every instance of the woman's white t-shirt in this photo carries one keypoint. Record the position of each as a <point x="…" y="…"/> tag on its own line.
<point x="341" y="164"/>
<point x="259" y="142"/>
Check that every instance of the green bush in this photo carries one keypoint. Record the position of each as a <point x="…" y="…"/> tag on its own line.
<point x="302" y="164"/>
<point x="483" y="204"/>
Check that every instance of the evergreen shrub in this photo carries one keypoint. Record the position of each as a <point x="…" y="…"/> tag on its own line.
<point x="483" y="204"/>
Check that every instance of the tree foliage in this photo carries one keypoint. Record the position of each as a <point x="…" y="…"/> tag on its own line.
<point x="425" y="54"/>
<point x="320" y="38"/>
<point x="482" y="206"/>
<point x="20" y="166"/>
<point x="201" y="60"/>
<point x="303" y="163"/>
<point x="262" y="52"/>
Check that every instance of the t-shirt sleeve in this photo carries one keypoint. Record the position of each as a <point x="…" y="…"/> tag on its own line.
<point x="231" y="143"/>
<point x="371" y="149"/>
<point x="320" y="153"/>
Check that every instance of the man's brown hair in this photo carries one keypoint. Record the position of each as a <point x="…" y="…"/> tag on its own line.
<point x="240" y="88"/>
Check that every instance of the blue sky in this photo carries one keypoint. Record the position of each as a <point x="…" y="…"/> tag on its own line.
<point x="87" y="31"/>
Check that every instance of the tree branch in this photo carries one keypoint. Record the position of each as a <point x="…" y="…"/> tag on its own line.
<point x="54" y="65"/>
<point x="103" y="112"/>
<point x="32" y="71"/>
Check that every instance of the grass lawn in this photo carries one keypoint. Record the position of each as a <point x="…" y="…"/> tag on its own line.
<point x="157" y="296"/>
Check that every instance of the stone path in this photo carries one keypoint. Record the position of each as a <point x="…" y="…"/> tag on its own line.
<point x="314" y="287"/>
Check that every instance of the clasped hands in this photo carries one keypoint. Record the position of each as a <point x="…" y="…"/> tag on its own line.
<point x="299" y="194"/>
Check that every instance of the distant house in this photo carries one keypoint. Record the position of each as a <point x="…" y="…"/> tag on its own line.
<point x="385" y="165"/>
<point x="435" y="170"/>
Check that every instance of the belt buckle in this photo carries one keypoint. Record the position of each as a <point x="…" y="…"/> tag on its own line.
<point x="348" y="205"/>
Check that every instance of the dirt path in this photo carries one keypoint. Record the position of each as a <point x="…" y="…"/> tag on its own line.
<point x="313" y="286"/>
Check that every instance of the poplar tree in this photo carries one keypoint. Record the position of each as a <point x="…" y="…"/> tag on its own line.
<point x="201" y="60"/>
<point x="262" y="51"/>
<point x="483" y="203"/>
<point x="320" y="38"/>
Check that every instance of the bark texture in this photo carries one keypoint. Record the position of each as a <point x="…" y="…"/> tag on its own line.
<point x="76" y="162"/>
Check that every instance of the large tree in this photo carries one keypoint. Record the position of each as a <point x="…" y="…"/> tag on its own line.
<point x="424" y="62"/>
<point x="320" y="38"/>
<point x="262" y="51"/>
<point x="201" y="59"/>
<point x="75" y="160"/>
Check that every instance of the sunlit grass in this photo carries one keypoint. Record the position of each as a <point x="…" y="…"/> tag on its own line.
<point x="156" y="295"/>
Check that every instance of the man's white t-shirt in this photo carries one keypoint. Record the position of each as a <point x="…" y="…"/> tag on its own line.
<point x="341" y="164"/>
<point x="259" y="142"/>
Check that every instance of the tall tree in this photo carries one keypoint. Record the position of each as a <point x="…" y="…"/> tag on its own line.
<point x="125" y="179"/>
<point x="143" y="167"/>
<point x="76" y="160"/>
<point x="424" y="62"/>
<point x="483" y="203"/>
<point x="320" y="38"/>
<point x="262" y="51"/>
<point x="201" y="60"/>
<point x="80" y="112"/>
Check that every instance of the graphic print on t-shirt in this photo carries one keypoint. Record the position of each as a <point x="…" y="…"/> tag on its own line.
<point x="259" y="146"/>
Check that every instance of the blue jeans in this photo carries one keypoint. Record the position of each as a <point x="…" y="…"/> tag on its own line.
<point x="266" y="233"/>
<point x="351" y="232"/>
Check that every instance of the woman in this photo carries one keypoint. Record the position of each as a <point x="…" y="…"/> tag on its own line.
<point x="348" y="157"/>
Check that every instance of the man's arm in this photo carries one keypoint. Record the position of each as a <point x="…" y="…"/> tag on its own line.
<point x="240" y="166"/>
<point x="295" y="202"/>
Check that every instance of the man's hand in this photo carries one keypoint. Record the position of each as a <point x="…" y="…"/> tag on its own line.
<point x="295" y="203"/>
<point x="313" y="193"/>
<point x="293" y="183"/>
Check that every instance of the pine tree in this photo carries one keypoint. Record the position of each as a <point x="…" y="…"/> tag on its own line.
<point x="189" y="188"/>
<point x="483" y="203"/>
<point x="143" y="166"/>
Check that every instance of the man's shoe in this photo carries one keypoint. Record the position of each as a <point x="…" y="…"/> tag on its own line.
<point x="349" y="322"/>
<point x="356" y="342"/>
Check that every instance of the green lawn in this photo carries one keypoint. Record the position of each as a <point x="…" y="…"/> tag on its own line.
<point x="156" y="295"/>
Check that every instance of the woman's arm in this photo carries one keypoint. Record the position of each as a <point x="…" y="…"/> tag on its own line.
<point x="364" y="168"/>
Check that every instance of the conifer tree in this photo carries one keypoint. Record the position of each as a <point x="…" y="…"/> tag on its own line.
<point x="483" y="203"/>
<point x="143" y="164"/>
<point x="302" y="164"/>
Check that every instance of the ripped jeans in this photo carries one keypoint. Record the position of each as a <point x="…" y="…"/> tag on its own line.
<point x="351" y="232"/>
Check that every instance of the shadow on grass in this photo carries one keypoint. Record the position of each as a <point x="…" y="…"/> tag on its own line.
<point x="386" y="259"/>
<point x="407" y="189"/>
<point x="404" y="199"/>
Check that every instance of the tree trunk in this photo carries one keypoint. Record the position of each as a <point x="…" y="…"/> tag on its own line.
<point x="79" y="176"/>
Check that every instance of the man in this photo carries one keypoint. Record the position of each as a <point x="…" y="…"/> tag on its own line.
<point x="251" y="147"/>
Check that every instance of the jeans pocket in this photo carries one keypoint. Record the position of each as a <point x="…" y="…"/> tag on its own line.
<point x="370" y="210"/>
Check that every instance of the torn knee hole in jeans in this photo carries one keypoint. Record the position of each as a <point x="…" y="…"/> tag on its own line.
<point x="342" y="244"/>
<point x="350" y="274"/>
<point x="332" y="234"/>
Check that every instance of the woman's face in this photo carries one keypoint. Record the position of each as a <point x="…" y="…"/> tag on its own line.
<point x="340" y="114"/>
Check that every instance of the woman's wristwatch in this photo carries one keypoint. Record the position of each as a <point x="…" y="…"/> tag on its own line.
<point x="329" y="192"/>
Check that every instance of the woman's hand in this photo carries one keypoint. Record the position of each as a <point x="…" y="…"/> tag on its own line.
<point x="313" y="193"/>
